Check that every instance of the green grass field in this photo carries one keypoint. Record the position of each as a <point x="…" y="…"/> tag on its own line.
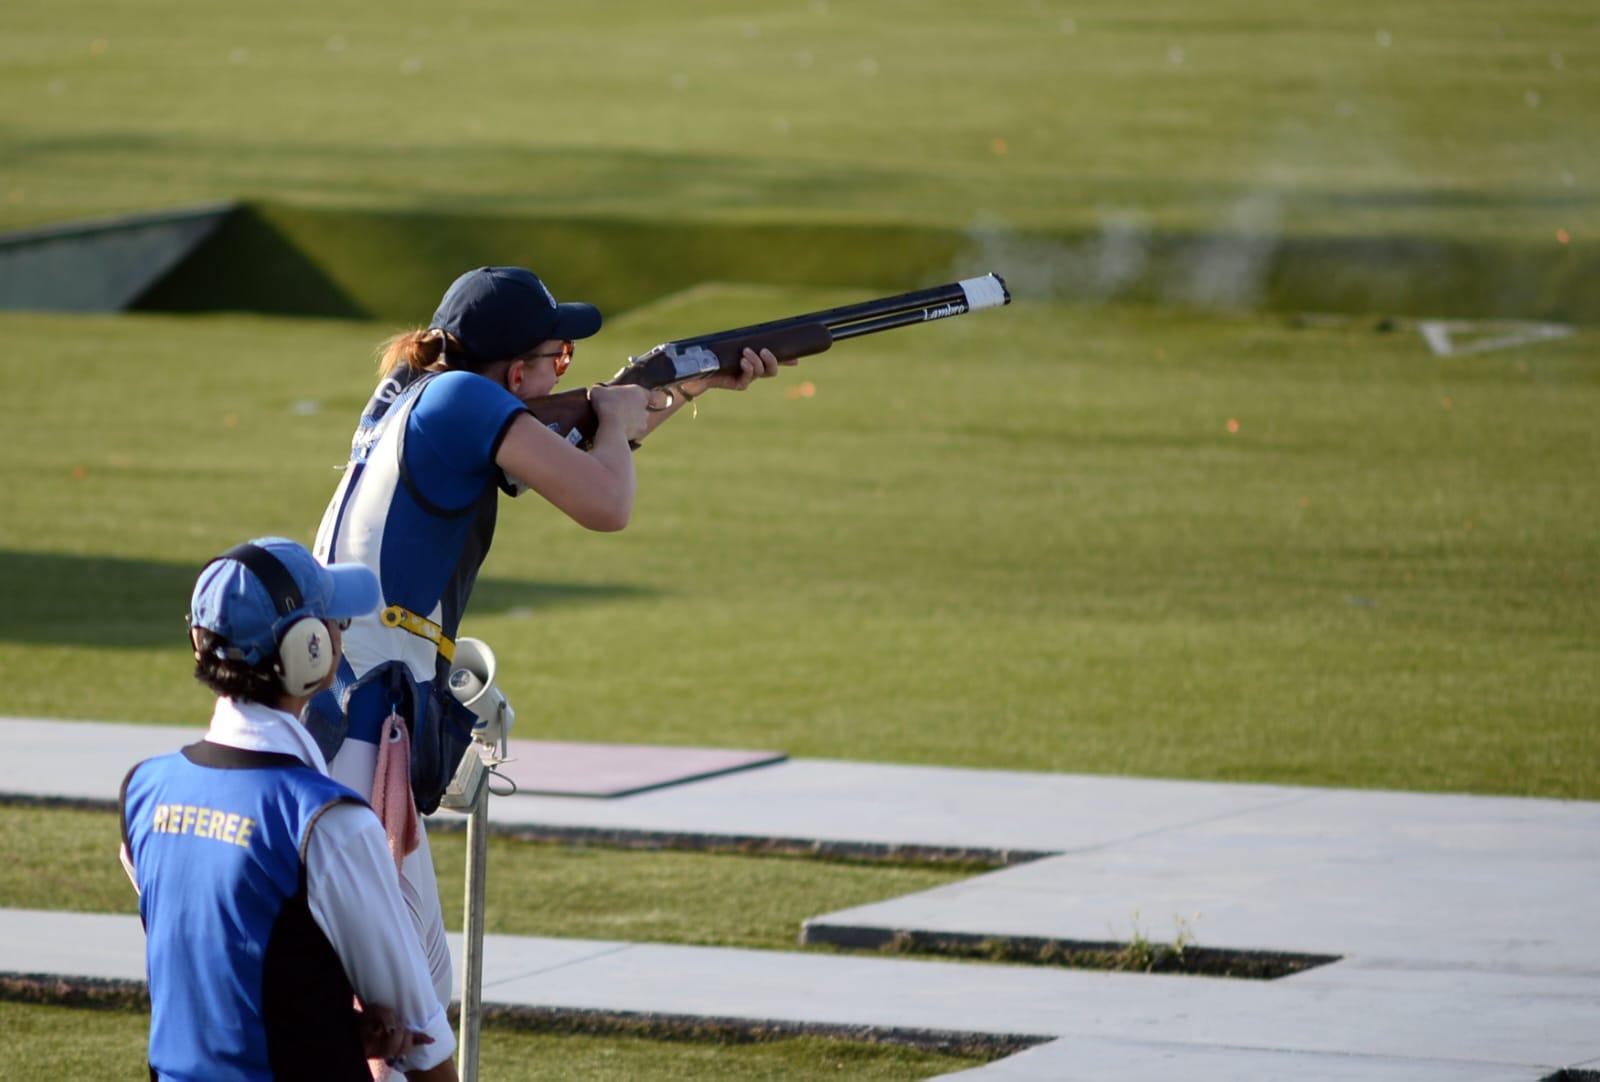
<point x="1426" y="156"/>
<point x="1138" y="538"/>
<point x="1026" y="539"/>
<point x="1455" y="117"/>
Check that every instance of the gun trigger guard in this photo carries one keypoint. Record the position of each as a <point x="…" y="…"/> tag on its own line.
<point x="672" y="400"/>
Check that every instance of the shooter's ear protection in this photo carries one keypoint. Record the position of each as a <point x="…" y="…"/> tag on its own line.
<point x="304" y="649"/>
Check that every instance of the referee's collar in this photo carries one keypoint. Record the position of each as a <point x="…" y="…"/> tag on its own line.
<point x="254" y="727"/>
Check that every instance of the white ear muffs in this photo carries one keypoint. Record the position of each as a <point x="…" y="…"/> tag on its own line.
<point x="305" y="645"/>
<point x="305" y="655"/>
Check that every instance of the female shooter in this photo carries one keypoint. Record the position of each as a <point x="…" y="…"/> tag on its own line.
<point x="446" y="431"/>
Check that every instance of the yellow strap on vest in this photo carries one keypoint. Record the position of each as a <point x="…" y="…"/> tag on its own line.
<point x="421" y="627"/>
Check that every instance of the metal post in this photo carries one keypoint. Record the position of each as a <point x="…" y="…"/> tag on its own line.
<point x="472" y="955"/>
<point x="472" y="684"/>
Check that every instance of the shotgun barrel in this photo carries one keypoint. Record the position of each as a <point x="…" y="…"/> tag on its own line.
<point x="571" y="416"/>
<point x="937" y="302"/>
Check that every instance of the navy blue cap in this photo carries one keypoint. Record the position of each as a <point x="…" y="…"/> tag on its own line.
<point x="230" y="600"/>
<point x="498" y="313"/>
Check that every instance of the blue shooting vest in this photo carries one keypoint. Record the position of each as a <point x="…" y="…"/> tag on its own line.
<point x="243" y="983"/>
<point x="417" y="504"/>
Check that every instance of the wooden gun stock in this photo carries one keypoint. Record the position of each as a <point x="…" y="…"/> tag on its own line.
<point x="566" y="413"/>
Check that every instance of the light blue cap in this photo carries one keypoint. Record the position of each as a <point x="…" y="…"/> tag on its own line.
<point x="230" y="600"/>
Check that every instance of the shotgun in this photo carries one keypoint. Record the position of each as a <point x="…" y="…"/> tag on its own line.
<point x="570" y="415"/>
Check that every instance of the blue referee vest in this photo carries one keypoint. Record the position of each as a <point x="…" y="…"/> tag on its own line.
<point x="243" y="984"/>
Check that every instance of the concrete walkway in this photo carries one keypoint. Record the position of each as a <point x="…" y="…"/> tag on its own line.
<point x="1109" y="1025"/>
<point x="1398" y="879"/>
<point x="1465" y="925"/>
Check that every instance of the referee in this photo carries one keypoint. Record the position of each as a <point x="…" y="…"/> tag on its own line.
<point x="269" y="898"/>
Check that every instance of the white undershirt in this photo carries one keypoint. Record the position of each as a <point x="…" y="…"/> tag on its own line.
<point x="351" y="886"/>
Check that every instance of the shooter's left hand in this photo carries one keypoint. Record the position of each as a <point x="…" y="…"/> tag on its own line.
<point x="752" y="366"/>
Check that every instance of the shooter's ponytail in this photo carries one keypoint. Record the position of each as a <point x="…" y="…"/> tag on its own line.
<point x="417" y="349"/>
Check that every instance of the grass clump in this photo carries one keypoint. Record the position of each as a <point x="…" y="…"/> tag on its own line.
<point x="1137" y="954"/>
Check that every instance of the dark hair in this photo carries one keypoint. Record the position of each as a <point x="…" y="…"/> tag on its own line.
<point x="234" y="679"/>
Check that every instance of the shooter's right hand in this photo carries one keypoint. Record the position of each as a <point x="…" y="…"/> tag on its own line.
<point x="623" y="407"/>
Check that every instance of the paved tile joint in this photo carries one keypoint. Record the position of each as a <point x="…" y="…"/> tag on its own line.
<point x="1464" y="924"/>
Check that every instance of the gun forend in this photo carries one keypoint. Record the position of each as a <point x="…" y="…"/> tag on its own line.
<point x="672" y="362"/>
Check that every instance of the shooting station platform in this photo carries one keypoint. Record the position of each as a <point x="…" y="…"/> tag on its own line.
<point x="1462" y="927"/>
<point x="565" y="768"/>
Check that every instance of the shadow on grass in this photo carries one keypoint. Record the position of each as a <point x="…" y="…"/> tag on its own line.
<point x="60" y="599"/>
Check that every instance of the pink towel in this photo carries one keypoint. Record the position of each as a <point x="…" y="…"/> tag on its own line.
<point x="391" y="789"/>
<point x="391" y="799"/>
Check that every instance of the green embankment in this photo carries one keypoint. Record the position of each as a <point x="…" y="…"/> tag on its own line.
<point x="385" y="265"/>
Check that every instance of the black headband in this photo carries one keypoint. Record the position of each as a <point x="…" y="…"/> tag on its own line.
<point x="267" y="568"/>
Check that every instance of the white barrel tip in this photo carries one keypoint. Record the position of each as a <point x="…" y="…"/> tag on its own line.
<point x="986" y="292"/>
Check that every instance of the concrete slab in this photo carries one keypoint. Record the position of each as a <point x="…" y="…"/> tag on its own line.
<point x="1144" y="1020"/>
<point x="80" y="760"/>
<point x="86" y="760"/>
<point x="1405" y="878"/>
<point x="98" y="946"/>
<point x="1079" y="1059"/>
<point x="110" y="947"/>
<point x="1192" y="1011"/>
<point x="807" y="800"/>
<point x="891" y="806"/>
<point x="1431" y="981"/>
<point x="606" y="771"/>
